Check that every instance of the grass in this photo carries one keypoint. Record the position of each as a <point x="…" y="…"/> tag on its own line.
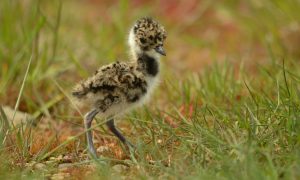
<point x="232" y="112"/>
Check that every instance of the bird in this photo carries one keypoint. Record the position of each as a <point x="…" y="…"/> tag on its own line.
<point x="119" y="87"/>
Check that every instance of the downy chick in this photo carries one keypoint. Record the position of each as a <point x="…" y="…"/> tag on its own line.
<point x="120" y="86"/>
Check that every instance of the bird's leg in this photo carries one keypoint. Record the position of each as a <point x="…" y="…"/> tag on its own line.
<point x="88" y="119"/>
<point x="111" y="125"/>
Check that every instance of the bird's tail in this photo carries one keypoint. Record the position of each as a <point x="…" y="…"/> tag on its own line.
<point x="80" y="91"/>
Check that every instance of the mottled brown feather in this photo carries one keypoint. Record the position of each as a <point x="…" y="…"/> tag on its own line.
<point x="112" y="84"/>
<point x="117" y="86"/>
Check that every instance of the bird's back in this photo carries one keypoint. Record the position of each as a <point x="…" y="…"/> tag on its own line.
<point x="112" y="87"/>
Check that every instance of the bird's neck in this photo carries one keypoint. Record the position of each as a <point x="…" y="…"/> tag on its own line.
<point x="147" y="61"/>
<point x="147" y="64"/>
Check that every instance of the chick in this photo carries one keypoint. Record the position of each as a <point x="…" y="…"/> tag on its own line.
<point x="118" y="87"/>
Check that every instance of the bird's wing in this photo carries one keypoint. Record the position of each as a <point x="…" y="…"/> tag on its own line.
<point x="103" y="80"/>
<point x="112" y="84"/>
<point x="106" y="79"/>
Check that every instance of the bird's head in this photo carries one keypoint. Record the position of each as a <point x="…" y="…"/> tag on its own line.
<point x="147" y="36"/>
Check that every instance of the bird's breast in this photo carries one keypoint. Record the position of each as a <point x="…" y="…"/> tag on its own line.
<point x="152" y="83"/>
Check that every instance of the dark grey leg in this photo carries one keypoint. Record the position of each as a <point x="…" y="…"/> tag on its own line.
<point x="88" y="119"/>
<point x="111" y="125"/>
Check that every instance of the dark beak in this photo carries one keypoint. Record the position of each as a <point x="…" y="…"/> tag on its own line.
<point x="160" y="50"/>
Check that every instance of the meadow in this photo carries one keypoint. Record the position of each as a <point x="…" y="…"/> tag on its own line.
<point x="228" y="105"/>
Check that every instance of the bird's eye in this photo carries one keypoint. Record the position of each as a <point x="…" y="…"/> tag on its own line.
<point x="143" y="40"/>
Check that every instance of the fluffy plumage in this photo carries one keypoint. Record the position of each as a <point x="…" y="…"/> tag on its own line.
<point x="112" y="88"/>
<point x="117" y="87"/>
